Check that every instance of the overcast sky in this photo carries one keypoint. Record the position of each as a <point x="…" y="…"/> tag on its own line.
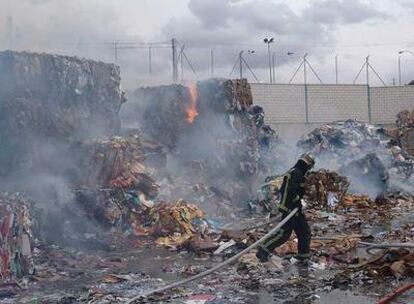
<point x="351" y="29"/>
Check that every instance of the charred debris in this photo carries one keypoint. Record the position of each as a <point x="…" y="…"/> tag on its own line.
<point x="83" y="169"/>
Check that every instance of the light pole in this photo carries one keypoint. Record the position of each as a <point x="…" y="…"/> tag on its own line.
<point x="336" y="69"/>
<point x="268" y="41"/>
<point x="400" y="53"/>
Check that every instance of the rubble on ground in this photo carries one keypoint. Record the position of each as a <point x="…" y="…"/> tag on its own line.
<point x="131" y="215"/>
<point x="16" y="238"/>
<point x="398" y="263"/>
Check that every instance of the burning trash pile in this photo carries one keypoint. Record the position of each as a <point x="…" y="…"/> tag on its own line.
<point x="58" y="117"/>
<point x="208" y="127"/>
<point x="130" y="215"/>
<point x="117" y="190"/>
<point x="101" y="187"/>
<point x="16" y="238"/>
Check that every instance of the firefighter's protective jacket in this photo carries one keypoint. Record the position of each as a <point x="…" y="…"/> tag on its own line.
<point x="292" y="189"/>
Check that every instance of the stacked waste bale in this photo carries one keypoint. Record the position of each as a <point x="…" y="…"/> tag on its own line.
<point x="15" y="238"/>
<point x="48" y="99"/>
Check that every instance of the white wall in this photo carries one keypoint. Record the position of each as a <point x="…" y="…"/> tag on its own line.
<point x="285" y="103"/>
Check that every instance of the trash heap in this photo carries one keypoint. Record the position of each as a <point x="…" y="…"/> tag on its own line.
<point x="50" y="99"/>
<point x="176" y="222"/>
<point x="405" y="119"/>
<point x="117" y="162"/>
<point x="325" y="188"/>
<point x="16" y="238"/>
<point x="339" y="142"/>
<point x="117" y="191"/>
<point x="365" y="152"/>
<point x="403" y="134"/>
<point x="129" y="214"/>
<point x="206" y="127"/>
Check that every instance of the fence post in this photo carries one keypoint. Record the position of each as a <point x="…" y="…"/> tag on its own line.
<point x="369" y="103"/>
<point x="306" y="104"/>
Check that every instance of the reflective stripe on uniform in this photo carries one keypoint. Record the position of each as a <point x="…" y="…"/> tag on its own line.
<point x="282" y="205"/>
<point x="275" y="238"/>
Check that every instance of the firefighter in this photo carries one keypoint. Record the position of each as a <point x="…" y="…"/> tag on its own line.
<point x="292" y="191"/>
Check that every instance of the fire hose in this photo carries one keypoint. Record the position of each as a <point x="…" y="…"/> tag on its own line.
<point x="395" y="294"/>
<point x="217" y="267"/>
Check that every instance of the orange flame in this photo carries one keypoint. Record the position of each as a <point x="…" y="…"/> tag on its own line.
<point x="192" y="107"/>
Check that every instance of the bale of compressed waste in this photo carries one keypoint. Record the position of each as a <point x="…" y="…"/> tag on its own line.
<point x="49" y="99"/>
<point x="161" y="112"/>
<point x="16" y="238"/>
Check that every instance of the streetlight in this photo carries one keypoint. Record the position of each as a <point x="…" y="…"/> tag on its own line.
<point x="268" y="41"/>
<point x="400" y="53"/>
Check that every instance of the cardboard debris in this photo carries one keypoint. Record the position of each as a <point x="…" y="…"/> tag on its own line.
<point x="394" y="262"/>
<point x="325" y="187"/>
<point x="405" y="119"/>
<point x="16" y="239"/>
<point x="176" y="222"/>
<point x="116" y="162"/>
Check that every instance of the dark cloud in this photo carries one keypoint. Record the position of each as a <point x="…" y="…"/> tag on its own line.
<point x="87" y="28"/>
<point x="244" y="24"/>
<point x="211" y="13"/>
<point x="341" y="12"/>
<point x="253" y="18"/>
